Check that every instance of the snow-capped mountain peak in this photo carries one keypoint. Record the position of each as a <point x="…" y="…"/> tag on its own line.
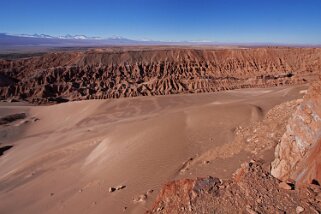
<point x="68" y="36"/>
<point x="45" y="36"/>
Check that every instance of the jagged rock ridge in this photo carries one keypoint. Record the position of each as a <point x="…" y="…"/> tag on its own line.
<point x="121" y="72"/>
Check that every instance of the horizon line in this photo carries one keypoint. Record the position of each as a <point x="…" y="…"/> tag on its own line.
<point x="164" y="42"/>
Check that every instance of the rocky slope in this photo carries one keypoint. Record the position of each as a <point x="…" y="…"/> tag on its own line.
<point x="297" y="155"/>
<point x="293" y="186"/>
<point x="128" y="72"/>
<point x="251" y="190"/>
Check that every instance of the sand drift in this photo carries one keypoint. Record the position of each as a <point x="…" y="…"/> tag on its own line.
<point x="111" y="156"/>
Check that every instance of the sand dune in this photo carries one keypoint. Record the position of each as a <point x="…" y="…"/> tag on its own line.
<point x="65" y="157"/>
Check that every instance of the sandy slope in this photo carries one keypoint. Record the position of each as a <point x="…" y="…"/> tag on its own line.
<point x="66" y="156"/>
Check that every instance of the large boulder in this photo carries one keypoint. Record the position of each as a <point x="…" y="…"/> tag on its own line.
<point x="297" y="156"/>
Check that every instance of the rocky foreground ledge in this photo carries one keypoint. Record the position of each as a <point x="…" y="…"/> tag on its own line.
<point x="292" y="185"/>
<point x="298" y="155"/>
<point x="252" y="190"/>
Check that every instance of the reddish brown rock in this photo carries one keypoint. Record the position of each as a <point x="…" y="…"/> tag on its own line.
<point x="252" y="190"/>
<point x="297" y="156"/>
<point x="130" y="72"/>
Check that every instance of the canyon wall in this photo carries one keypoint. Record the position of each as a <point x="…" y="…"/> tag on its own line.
<point x="118" y="72"/>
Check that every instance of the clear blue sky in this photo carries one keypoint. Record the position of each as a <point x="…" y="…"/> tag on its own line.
<point x="282" y="21"/>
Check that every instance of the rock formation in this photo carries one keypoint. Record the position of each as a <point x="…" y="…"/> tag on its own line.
<point x="252" y="190"/>
<point x="121" y="72"/>
<point x="293" y="186"/>
<point x="297" y="155"/>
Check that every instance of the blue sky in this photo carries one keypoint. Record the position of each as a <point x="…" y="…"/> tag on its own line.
<point x="278" y="21"/>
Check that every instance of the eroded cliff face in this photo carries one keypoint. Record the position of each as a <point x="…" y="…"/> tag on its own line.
<point x="114" y="73"/>
<point x="297" y="156"/>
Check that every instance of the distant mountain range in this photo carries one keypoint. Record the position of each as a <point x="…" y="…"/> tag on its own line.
<point x="43" y="40"/>
<point x="18" y="42"/>
<point x="38" y="42"/>
<point x="68" y="36"/>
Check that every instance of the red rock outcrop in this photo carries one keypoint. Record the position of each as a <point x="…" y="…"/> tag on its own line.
<point x="121" y="72"/>
<point x="297" y="155"/>
<point x="252" y="190"/>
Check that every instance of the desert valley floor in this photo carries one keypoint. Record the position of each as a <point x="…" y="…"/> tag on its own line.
<point x="140" y="129"/>
<point x="66" y="157"/>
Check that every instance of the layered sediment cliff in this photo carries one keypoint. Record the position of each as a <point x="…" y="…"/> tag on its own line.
<point x="114" y="73"/>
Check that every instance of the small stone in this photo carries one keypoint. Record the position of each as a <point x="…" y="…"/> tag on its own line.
<point x="318" y="198"/>
<point x="299" y="209"/>
<point x="80" y="190"/>
<point x="34" y="119"/>
<point x="250" y="211"/>
<point x="308" y="110"/>
<point x="150" y="191"/>
<point x="112" y="189"/>
<point x="120" y="187"/>
<point x="308" y="120"/>
<point x="159" y="209"/>
<point x="316" y="189"/>
<point x="140" y="198"/>
<point x="284" y="185"/>
<point x="124" y="209"/>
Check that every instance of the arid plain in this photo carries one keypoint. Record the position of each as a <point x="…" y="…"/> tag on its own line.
<point x="102" y="130"/>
